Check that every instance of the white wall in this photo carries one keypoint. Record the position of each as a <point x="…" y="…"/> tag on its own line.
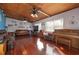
<point x="71" y="16"/>
<point x="16" y="24"/>
<point x="68" y="17"/>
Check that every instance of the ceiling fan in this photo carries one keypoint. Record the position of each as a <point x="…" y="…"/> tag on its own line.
<point x="36" y="11"/>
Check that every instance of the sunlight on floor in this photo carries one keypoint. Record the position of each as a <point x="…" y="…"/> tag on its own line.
<point x="24" y="51"/>
<point x="40" y="45"/>
<point x="49" y="50"/>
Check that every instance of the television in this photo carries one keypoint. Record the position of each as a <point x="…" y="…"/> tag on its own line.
<point x="35" y="28"/>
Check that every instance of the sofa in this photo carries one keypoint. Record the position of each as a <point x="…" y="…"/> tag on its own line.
<point x="21" y="32"/>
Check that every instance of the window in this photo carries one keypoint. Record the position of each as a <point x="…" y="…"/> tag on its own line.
<point x="58" y="24"/>
<point x="54" y="24"/>
<point x="49" y="26"/>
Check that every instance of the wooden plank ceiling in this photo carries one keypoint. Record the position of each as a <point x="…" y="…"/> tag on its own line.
<point x="22" y="11"/>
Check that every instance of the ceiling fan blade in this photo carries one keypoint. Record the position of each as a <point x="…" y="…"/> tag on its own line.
<point x="43" y="13"/>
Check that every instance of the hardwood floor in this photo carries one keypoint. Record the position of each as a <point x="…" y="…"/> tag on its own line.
<point x="37" y="46"/>
<point x="65" y="50"/>
<point x="33" y="46"/>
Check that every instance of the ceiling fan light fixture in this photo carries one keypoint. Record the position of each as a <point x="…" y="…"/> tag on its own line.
<point x="32" y="15"/>
<point x="36" y="15"/>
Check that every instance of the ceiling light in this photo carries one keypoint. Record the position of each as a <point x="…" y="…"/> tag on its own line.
<point x="32" y="15"/>
<point x="36" y="15"/>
